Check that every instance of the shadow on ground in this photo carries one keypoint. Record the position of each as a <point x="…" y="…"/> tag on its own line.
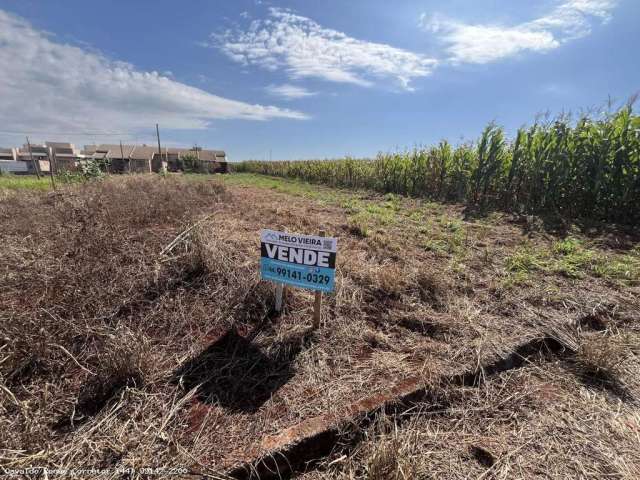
<point x="602" y="380"/>
<point x="236" y="374"/>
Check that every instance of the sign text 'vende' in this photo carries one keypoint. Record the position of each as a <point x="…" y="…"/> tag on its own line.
<point x="301" y="260"/>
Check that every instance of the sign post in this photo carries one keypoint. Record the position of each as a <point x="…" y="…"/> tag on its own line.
<point x="317" y="304"/>
<point x="305" y="261"/>
<point x="279" y="290"/>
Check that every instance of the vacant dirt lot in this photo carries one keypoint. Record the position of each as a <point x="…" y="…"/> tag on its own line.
<point x="135" y="331"/>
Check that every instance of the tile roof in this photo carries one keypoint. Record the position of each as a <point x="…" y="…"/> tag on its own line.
<point x="145" y="152"/>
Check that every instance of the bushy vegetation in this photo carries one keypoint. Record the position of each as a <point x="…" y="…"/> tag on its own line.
<point x="95" y="168"/>
<point x="588" y="168"/>
<point x="189" y="163"/>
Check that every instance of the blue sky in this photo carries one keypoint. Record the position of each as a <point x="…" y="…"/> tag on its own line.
<point x="303" y="79"/>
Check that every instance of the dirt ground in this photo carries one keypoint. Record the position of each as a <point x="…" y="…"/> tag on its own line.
<point x="136" y="332"/>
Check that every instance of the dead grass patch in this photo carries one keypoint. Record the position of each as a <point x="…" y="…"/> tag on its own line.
<point x="534" y="422"/>
<point x="152" y="339"/>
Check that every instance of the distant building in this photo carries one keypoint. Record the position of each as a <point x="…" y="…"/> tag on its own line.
<point x="40" y="155"/>
<point x="14" y="166"/>
<point x="65" y="156"/>
<point x="8" y="154"/>
<point x="208" y="161"/>
<point x="144" y="158"/>
<point x="123" y="159"/>
<point x="9" y="162"/>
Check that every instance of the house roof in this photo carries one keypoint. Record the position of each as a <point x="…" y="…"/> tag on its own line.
<point x="35" y="148"/>
<point x="142" y="153"/>
<point x="145" y="152"/>
<point x="114" y="151"/>
<point x="60" y="145"/>
<point x="202" y="154"/>
<point x="211" y="155"/>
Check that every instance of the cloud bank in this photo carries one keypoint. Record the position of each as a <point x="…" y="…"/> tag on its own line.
<point x="470" y="43"/>
<point x="303" y="48"/>
<point x="57" y="87"/>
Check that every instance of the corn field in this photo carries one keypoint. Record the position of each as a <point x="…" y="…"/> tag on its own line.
<point x="588" y="168"/>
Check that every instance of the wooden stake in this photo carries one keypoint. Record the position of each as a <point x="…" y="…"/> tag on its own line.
<point x="159" y="149"/>
<point x="317" y="305"/>
<point x="279" y="291"/>
<point x="51" y="155"/>
<point x="122" y="156"/>
<point x="33" y="163"/>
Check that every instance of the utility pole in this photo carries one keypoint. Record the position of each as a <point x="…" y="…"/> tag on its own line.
<point x="159" y="149"/>
<point x="33" y="163"/>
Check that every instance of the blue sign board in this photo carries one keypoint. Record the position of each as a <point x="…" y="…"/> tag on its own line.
<point x="304" y="261"/>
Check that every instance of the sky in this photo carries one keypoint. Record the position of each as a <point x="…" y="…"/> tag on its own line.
<point x="302" y="79"/>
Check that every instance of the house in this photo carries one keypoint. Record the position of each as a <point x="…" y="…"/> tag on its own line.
<point x="208" y="161"/>
<point x="145" y="158"/>
<point x="104" y="153"/>
<point x="116" y="158"/>
<point x="8" y="154"/>
<point x="9" y="162"/>
<point x="159" y="161"/>
<point x="173" y="157"/>
<point x="95" y="152"/>
<point x="65" y="156"/>
<point x="37" y="154"/>
<point x="14" y="166"/>
<point x="213" y="161"/>
<point x="123" y="158"/>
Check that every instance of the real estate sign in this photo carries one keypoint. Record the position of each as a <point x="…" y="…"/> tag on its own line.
<point x="301" y="260"/>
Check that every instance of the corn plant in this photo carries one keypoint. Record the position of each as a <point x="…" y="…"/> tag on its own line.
<point x="586" y="168"/>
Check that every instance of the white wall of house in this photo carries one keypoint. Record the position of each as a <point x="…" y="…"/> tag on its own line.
<point x="11" y="166"/>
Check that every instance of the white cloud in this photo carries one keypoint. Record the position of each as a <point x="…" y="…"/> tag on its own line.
<point x="469" y="43"/>
<point x="51" y="86"/>
<point x="289" y="92"/>
<point x="305" y="49"/>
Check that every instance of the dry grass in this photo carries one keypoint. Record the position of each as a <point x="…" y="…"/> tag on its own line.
<point x="535" y="422"/>
<point x="128" y="343"/>
<point x="87" y="307"/>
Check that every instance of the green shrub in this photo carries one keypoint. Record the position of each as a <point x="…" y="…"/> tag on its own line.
<point x="95" y="168"/>
<point x="189" y="163"/>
